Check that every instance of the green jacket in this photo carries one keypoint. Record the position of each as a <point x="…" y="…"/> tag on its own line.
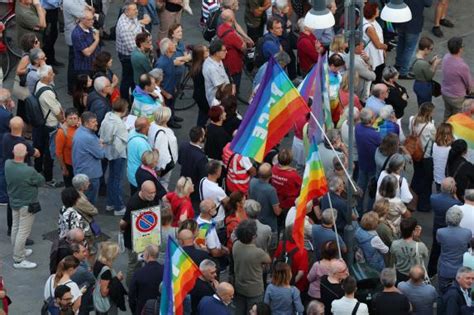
<point x="22" y="183"/>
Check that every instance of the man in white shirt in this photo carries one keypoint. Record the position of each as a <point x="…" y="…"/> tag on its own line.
<point x="213" y="70"/>
<point x="348" y="304"/>
<point x="467" y="209"/>
<point x="208" y="210"/>
<point x="210" y="189"/>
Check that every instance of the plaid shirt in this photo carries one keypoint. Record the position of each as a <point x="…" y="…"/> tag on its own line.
<point x="126" y="30"/>
<point x="81" y="39"/>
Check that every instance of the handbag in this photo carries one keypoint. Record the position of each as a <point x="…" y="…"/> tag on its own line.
<point x="101" y="303"/>
<point x="34" y="207"/>
<point x="95" y="228"/>
<point x="426" y="279"/>
<point x="435" y="88"/>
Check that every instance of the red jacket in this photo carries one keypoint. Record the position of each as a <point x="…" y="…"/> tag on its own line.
<point x="307" y="54"/>
<point x="234" y="60"/>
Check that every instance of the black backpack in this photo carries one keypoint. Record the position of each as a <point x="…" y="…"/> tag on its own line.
<point x="34" y="113"/>
<point x="210" y="30"/>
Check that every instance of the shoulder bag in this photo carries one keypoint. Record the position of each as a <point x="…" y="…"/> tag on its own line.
<point x="101" y="303"/>
<point x="171" y="163"/>
<point x="421" y="262"/>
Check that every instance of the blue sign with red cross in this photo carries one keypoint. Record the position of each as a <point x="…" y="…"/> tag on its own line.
<point x="146" y="221"/>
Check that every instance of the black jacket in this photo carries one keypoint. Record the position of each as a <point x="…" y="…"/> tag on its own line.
<point x="193" y="163"/>
<point x="145" y="285"/>
<point x="143" y="175"/>
<point x="463" y="173"/>
<point x="453" y="300"/>
<point x="117" y="293"/>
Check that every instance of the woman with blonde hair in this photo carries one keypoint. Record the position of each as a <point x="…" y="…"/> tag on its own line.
<point x="372" y="246"/>
<point x="104" y="272"/>
<point x="66" y="268"/>
<point x="162" y="138"/>
<point x="338" y="46"/>
<point x="441" y="146"/>
<point x="282" y="297"/>
<point x="180" y="202"/>
<point x="344" y="91"/>
<point x="147" y="171"/>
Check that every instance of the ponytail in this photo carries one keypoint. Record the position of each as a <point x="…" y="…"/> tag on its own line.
<point x="65" y="264"/>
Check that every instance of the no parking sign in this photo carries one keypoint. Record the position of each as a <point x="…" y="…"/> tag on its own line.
<point x="146" y="228"/>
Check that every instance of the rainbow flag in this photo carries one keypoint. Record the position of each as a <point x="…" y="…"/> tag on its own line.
<point x="463" y="128"/>
<point x="271" y="114"/>
<point x="314" y="185"/>
<point x="179" y="276"/>
<point x="203" y="230"/>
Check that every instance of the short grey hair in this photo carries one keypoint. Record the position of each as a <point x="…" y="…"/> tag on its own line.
<point x="386" y="111"/>
<point x="469" y="194"/>
<point x="366" y="115"/>
<point x="162" y="115"/>
<point x="301" y="25"/>
<point x="327" y="216"/>
<point x="396" y="162"/>
<point x="164" y="45"/>
<point x="127" y="4"/>
<point x="80" y="181"/>
<point x="207" y="264"/>
<point x="334" y="183"/>
<point x="281" y="4"/>
<point x="389" y="72"/>
<point x="315" y="308"/>
<point x="252" y="208"/>
<point x="462" y="271"/>
<point x="157" y="74"/>
<point x="35" y="54"/>
<point x="388" y="277"/>
<point x="454" y="216"/>
<point x="282" y="58"/>
<point x="100" y="83"/>
<point x="44" y="71"/>
<point x="377" y="89"/>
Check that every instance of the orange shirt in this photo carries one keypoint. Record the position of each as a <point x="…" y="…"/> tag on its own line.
<point x="64" y="144"/>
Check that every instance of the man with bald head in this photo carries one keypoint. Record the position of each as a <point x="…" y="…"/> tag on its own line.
<point x="186" y="240"/>
<point x="421" y="295"/>
<point x="208" y="209"/>
<point x="146" y="281"/>
<point x="144" y="198"/>
<point x="234" y="59"/>
<point x="264" y="193"/>
<point x="137" y="145"/>
<point x="377" y="100"/>
<point x="23" y="182"/>
<point x="440" y="203"/>
<point x="219" y="302"/>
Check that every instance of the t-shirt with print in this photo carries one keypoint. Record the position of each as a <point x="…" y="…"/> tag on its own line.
<point x="212" y="240"/>
<point x="248" y="269"/>
<point x="404" y="254"/>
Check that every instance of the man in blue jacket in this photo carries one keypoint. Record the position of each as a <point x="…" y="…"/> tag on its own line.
<point x="458" y="296"/>
<point x="218" y="303"/>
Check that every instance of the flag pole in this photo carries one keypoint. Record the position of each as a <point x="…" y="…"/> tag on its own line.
<point x="349" y="178"/>
<point x="334" y="224"/>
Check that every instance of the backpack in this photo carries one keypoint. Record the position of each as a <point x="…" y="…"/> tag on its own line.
<point x="413" y="143"/>
<point x="49" y="306"/>
<point x="210" y="29"/>
<point x="34" y="113"/>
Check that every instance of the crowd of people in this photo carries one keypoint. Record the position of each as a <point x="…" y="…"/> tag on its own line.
<point x="235" y="217"/>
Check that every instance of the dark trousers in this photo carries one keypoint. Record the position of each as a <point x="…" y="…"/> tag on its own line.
<point x="50" y="34"/>
<point x="236" y="79"/>
<point x="70" y="71"/>
<point x="434" y="256"/>
<point x="422" y="183"/>
<point x="41" y="141"/>
<point x="126" y="82"/>
<point x="255" y="32"/>
<point x="170" y="104"/>
<point x="202" y="118"/>
<point x="9" y="218"/>
<point x="68" y="179"/>
<point x="423" y="91"/>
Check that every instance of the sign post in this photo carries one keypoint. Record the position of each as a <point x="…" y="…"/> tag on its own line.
<point x="146" y="228"/>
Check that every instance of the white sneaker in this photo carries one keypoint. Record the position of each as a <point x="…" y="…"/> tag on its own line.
<point x="120" y="213"/>
<point x="25" y="264"/>
<point x="109" y="208"/>
<point x="28" y="252"/>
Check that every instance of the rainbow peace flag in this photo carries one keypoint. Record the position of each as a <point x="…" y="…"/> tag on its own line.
<point x="463" y="128"/>
<point x="270" y="115"/>
<point x="203" y="230"/>
<point x="179" y="276"/>
<point x="314" y="185"/>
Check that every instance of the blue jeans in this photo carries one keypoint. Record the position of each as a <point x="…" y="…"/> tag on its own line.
<point x="114" y="183"/>
<point x="93" y="190"/>
<point x="423" y="91"/>
<point x="406" y="49"/>
<point x="363" y="182"/>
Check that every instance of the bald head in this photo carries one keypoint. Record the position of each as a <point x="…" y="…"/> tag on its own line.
<point x="19" y="151"/>
<point x="448" y="185"/>
<point x="75" y="235"/>
<point x="141" y="125"/>
<point x="227" y="16"/>
<point x="16" y="125"/>
<point x="226" y="292"/>
<point x="417" y="274"/>
<point x="265" y="171"/>
<point x="186" y="237"/>
<point x="148" y="190"/>
<point x="206" y="206"/>
<point x="380" y="90"/>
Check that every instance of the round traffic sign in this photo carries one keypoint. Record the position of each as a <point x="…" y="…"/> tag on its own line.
<point x="146" y="221"/>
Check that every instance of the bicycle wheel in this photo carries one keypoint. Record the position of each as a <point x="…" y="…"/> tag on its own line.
<point x="5" y="64"/>
<point x="184" y="95"/>
<point x="9" y="36"/>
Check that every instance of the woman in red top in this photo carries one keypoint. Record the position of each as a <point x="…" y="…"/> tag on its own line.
<point x="344" y="92"/>
<point x="286" y="180"/>
<point x="308" y="48"/>
<point x="180" y="202"/>
<point x="235" y="213"/>
<point x="299" y="260"/>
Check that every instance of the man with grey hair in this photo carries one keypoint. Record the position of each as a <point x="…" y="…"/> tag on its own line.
<point x="377" y="100"/>
<point x="468" y="210"/>
<point x="208" y="210"/>
<point x="387" y="122"/>
<point x="325" y="151"/>
<point x="145" y="284"/>
<point x="98" y="101"/>
<point x="440" y="203"/>
<point x="281" y="57"/>
<point x="214" y="71"/>
<point x="22" y="185"/>
<point x="324" y="232"/>
<point x="81" y="183"/>
<point x="420" y="294"/>
<point x="315" y="308"/>
<point x="390" y="300"/>
<point x="336" y="189"/>
<point x="363" y="68"/>
<point x="264" y="232"/>
<point x="37" y="60"/>
<point x="205" y="285"/>
<point x="169" y="83"/>
<point x="53" y="114"/>
<point x="453" y="241"/>
<point x="367" y="141"/>
<point x="458" y="295"/>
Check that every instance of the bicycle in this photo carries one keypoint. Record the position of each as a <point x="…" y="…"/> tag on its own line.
<point x="186" y="84"/>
